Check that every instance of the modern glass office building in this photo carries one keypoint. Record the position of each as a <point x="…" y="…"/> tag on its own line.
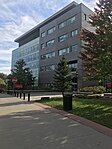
<point x="56" y="36"/>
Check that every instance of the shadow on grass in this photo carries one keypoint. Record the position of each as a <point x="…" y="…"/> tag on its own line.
<point x="99" y="115"/>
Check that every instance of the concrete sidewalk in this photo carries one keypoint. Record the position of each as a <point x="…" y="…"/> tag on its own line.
<point x="26" y="125"/>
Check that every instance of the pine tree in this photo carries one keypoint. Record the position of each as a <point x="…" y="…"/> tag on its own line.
<point x="23" y="74"/>
<point x="97" y="54"/>
<point x="62" y="76"/>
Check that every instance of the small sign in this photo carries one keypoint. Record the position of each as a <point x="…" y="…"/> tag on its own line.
<point x="14" y="79"/>
<point x="18" y="86"/>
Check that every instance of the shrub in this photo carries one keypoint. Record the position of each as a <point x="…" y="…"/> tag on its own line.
<point x="94" y="89"/>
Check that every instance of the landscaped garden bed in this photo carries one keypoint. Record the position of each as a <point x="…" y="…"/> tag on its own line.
<point x="93" y="109"/>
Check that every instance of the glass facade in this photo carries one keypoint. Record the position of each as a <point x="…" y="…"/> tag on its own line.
<point x="30" y="53"/>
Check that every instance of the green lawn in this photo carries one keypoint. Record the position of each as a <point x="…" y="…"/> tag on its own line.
<point x="92" y="109"/>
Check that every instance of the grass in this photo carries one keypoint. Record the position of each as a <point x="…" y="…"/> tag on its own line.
<point x="92" y="109"/>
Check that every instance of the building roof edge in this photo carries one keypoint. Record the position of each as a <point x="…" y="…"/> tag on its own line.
<point x="47" y="20"/>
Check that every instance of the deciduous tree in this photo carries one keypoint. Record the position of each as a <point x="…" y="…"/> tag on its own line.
<point x="97" y="53"/>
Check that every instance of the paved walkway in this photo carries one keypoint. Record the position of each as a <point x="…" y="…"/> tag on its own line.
<point x="26" y="125"/>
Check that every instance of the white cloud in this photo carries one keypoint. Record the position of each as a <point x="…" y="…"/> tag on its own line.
<point x="5" y="55"/>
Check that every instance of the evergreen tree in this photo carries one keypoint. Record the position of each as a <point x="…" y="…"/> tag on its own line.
<point x="97" y="54"/>
<point x="23" y="74"/>
<point x="62" y="76"/>
<point x="9" y="82"/>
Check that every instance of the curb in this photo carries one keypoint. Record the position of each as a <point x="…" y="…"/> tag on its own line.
<point x="100" y="128"/>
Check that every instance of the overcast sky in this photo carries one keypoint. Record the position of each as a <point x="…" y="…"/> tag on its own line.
<point x="18" y="16"/>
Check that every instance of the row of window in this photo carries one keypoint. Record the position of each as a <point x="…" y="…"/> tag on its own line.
<point x="60" y="52"/>
<point x="50" y="31"/>
<point x="47" y="68"/>
<point x="29" y="58"/>
<point x="72" y="66"/>
<point x="24" y="52"/>
<point x="48" y="55"/>
<point x="68" y="49"/>
<point x="32" y="57"/>
<point x="61" y="25"/>
<point x="60" y="39"/>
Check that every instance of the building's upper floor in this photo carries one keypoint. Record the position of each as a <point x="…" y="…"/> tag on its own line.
<point x="73" y="12"/>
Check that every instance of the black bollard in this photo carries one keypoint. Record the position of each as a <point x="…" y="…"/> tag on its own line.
<point x="20" y="94"/>
<point x="28" y="97"/>
<point x="23" y="96"/>
<point x="17" y="94"/>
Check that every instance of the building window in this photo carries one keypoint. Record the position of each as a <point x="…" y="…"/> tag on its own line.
<point x="73" y="65"/>
<point x="74" y="33"/>
<point x="50" y="43"/>
<point x="43" y="57"/>
<point x="50" y="31"/>
<point x="61" y="25"/>
<point x="49" y="55"/>
<point x="63" y="38"/>
<point x="42" y="46"/>
<point x="85" y="16"/>
<point x="64" y="51"/>
<point x="43" y="34"/>
<point x="50" y="68"/>
<point x="74" y="47"/>
<point x="67" y="22"/>
<point x="71" y="20"/>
